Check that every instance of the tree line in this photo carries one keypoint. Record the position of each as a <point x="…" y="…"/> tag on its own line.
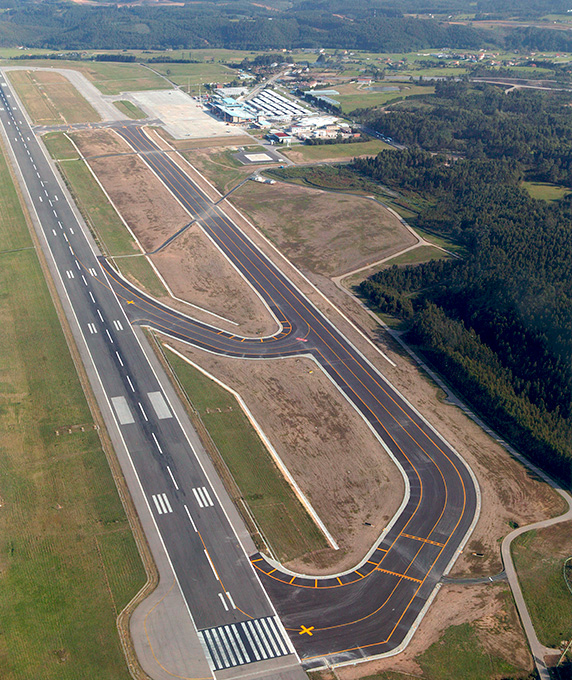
<point x="498" y="321"/>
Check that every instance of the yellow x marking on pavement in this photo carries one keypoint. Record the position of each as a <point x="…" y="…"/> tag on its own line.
<point x="309" y="630"/>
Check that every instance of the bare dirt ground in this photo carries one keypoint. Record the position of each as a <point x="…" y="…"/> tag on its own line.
<point x="100" y="142"/>
<point x="321" y="231"/>
<point x="317" y="433"/>
<point x="185" y="144"/>
<point x="196" y="271"/>
<point x="488" y="608"/>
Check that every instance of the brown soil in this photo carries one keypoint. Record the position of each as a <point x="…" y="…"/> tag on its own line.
<point x="321" y="231"/>
<point x="197" y="272"/>
<point x="316" y="432"/>
<point x="488" y="608"/>
<point x="185" y="144"/>
<point x="100" y="143"/>
<point x="144" y="202"/>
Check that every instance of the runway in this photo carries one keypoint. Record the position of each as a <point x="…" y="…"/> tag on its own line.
<point x="367" y="611"/>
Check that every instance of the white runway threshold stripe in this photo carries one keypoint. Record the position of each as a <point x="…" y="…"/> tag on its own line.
<point x="162" y="503"/>
<point x="237" y="644"/>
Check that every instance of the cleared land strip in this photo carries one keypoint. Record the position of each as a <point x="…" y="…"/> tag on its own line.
<point x="55" y="485"/>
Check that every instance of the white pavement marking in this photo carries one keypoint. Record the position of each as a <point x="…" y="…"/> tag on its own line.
<point x="159" y="509"/>
<point x="143" y="411"/>
<point x="109" y="336"/>
<point x="190" y="518"/>
<point x="130" y="383"/>
<point x="70" y="274"/>
<point x="122" y="410"/>
<point x="160" y="405"/>
<point x="199" y="501"/>
<point x="172" y="477"/>
<point x="166" y="500"/>
<point x="92" y="328"/>
<point x="54" y="232"/>
<point x="91" y="296"/>
<point x="84" y="279"/>
<point x="119" y="358"/>
<point x="230" y="600"/>
<point x="159" y="447"/>
<point x="117" y="324"/>
<point x="212" y="565"/>
<point x="204" y="494"/>
<point x="99" y="315"/>
<point x="224" y="604"/>
<point x="77" y="264"/>
<point x="65" y="236"/>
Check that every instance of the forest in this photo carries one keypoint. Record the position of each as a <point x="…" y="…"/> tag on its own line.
<point x="373" y="25"/>
<point x="497" y="322"/>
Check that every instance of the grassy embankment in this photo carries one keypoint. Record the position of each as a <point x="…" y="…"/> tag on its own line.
<point x="50" y="98"/>
<point x="111" y="234"/>
<point x="539" y="558"/>
<point x="130" y="110"/>
<point x="302" y="153"/>
<point x="68" y="560"/>
<point x="283" y="521"/>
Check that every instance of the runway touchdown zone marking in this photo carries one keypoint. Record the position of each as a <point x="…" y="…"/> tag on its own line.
<point x="237" y="644"/>
<point x="162" y="503"/>
<point x="203" y="497"/>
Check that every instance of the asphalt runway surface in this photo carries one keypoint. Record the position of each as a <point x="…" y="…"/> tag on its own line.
<point x="366" y="611"/>
<point x="235" y="620"/>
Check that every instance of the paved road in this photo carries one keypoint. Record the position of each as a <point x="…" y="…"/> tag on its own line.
<point x="368" y="610"/>
<point x="235" y="619"/>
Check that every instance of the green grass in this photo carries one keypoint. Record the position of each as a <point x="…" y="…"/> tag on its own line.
<point x="130" y="110"/>
<point x="322" y="151"/>
<point x="138" y="270"/>
<point x="545" y="191"/>
<point x="59" y="146"/>
<point x="539" y="558"/>
<point x="283" y="520"/>
<point x="195" y="74"/>
<point x="68" y="560"/>
<point x="351" y="98"/>
<point x="419" y="255"/>
<point x="460" y="654"/>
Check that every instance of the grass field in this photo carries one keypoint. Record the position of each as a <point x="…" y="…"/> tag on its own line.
<point x="109" y="231"/>
<point x="539" y="558"/>
<point x="546" y="191"/>
<point x="192" y="75"/>
<point x="68" y="560"/>
<point x="301" y="152"/>
<point x="460" y="654"/>
<point x="350" y="97"/>
<point x="282" y="519"/>
<point x="130" y="110"/>
<point x="418" y="256"/>
<point x="50" y="98"/>
<point x="108" y="77"/>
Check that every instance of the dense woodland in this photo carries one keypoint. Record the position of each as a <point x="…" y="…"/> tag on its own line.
<point x="531" y="127"/>
<point x="374" y="25"/>
<point x="498" y="321"/>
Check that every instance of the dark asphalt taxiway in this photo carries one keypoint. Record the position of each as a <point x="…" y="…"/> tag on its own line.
<point x="366" y="611"/>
